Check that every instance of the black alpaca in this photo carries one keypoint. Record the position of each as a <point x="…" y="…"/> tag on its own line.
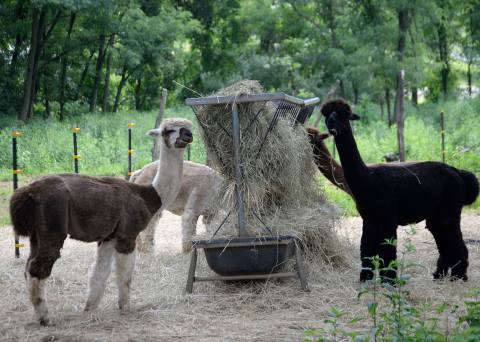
<point x="388" y="195"/>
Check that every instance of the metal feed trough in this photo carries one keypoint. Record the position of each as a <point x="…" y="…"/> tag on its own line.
<point x="245" y="258"/>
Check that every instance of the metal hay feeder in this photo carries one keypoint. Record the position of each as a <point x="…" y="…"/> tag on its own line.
<point x="246" y="258"/>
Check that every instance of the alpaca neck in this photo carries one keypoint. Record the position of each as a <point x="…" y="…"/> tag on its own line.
<point x="355" y="171"/>
<point x="168" y="179"/>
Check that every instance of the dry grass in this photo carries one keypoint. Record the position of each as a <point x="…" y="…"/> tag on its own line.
<point x="271" y="311"/>
<point x="279" y="176"/>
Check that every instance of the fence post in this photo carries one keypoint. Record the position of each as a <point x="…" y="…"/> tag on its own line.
<point x="16" y="171"/>
<point x="442" y="133"/>
<point x="189" y="152"/>
<point x="75" y="155"/>
<point x="130" y="150"/>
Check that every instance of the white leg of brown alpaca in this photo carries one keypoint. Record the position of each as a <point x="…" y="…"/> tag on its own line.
<point x="124" y="266"/>
<point x="99" y="273"/>
<point x="36" y="291"/>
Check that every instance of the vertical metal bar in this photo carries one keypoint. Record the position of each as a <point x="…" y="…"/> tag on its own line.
<point x="129" y="151"/>
<point x="191" y="271"/>
<point x="189" y="152"/>
<point x="442" y="133"/>
<point x="333" y="148"/>
<point x="75" y="151"/>
<point x="15" y="182"/>
<point x="300" y="269"/>
<point x="238" y="170"/>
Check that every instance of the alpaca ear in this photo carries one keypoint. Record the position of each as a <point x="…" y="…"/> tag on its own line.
<point x="154" y="132"/>
<point x="354" y="117"/>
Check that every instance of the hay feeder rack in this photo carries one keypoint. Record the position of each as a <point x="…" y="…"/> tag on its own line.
<point x="245" y="257"/>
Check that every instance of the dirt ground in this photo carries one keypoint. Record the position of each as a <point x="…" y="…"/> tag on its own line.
<point x="161" y="311"/>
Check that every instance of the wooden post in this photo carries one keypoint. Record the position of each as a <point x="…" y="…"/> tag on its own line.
<point x="15" y="172"/>
<point x="442" y="133"/>
<point x="158" y="121"/>
<point x="75" y="155"/>
<point x="400" y="110"/>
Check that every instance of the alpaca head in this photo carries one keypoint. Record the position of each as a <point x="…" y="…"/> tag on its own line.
<point x="337" y="115"/>
<point x="176" y="133"/>
<point x="316" y="138"/>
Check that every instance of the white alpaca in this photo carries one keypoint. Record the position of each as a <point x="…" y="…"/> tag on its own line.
<point x="199" y="186"/>
<point x="109" y="211"/>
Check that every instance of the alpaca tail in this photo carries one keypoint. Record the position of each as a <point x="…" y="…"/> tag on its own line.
<point x="22" y="208"/>
<point x="472" y="187"/>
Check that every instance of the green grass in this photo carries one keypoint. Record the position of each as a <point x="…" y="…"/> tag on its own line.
<point x="46" y="146"/>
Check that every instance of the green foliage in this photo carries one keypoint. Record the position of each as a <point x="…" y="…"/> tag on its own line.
<point x="393" y="317"/>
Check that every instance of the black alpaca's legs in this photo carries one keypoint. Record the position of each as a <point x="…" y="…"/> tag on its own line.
<point x="452" y="249"/>
<point x="368" y="249"/>
<point x="374" y="243"/>
<point x="388" y="253"/>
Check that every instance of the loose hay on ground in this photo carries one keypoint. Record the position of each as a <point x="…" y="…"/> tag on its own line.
<point x="262" y="311"/>
<point x="279" y="180"/>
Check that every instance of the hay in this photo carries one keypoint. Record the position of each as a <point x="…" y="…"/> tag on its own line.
<point x="279" y="182"/>
<point x="216" y="311"/>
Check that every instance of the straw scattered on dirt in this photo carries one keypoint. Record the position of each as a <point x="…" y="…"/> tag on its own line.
<point x="262" y="311"/>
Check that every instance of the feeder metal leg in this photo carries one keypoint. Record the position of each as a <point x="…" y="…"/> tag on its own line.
<point x="301" y="269"/>
<point x="191" y="271"/>
<point x="238" y="170"/>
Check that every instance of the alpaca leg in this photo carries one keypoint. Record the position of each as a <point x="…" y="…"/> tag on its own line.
<point x="99" y="273"/>
<point x="368" y="249"/>
<point x="146" y="238"/>
<point x="124" y="266"/>
<point x="189" y="226"/>
<point x="39" y="268"/>
<point x="442" y="263"/>
<point x="452" y="249"/>
<point x="388" y="253"/>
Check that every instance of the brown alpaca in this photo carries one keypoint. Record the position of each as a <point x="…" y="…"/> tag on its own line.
<point x="326" y="164"/>
<point x="106" y="210"/>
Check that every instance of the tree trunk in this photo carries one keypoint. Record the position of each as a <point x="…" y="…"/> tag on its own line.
<point x="469" y="77"/>
<point x="400" y="115"/>
<point x="98" y="72"/>
<point x="138" y="88"/>
<point x="415" y="96"/>
<point x="158" y="121"/>
<point x="123" y="80"/>
<point x="63" y="72"/>
<point x="48" y="114"/>
<point x="106" y="87"/>
<point x="389" y="109"/>
<point x="84" y="75"/>
<point x="403" y="22"/>
<point x="382" y="111"/>
<point x="355" y="94"/>
<point x="29" y="76"/>
<point x="443" y="51"/>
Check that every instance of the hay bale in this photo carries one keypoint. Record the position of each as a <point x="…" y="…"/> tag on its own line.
<point x="279" y="182"/>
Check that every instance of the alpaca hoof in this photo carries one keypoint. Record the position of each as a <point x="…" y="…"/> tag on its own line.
<point x="389" y="277"/>
<point x="463" y="277"/>
<point x="439" y="275"/>
<point x="44" y="321"/>
<point x="365" y="275"/>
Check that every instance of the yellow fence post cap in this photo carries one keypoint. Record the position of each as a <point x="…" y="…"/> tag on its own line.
<point x="16" y="133"/>
<point x="131" y="124"/>
<point x="75" y="129"/>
